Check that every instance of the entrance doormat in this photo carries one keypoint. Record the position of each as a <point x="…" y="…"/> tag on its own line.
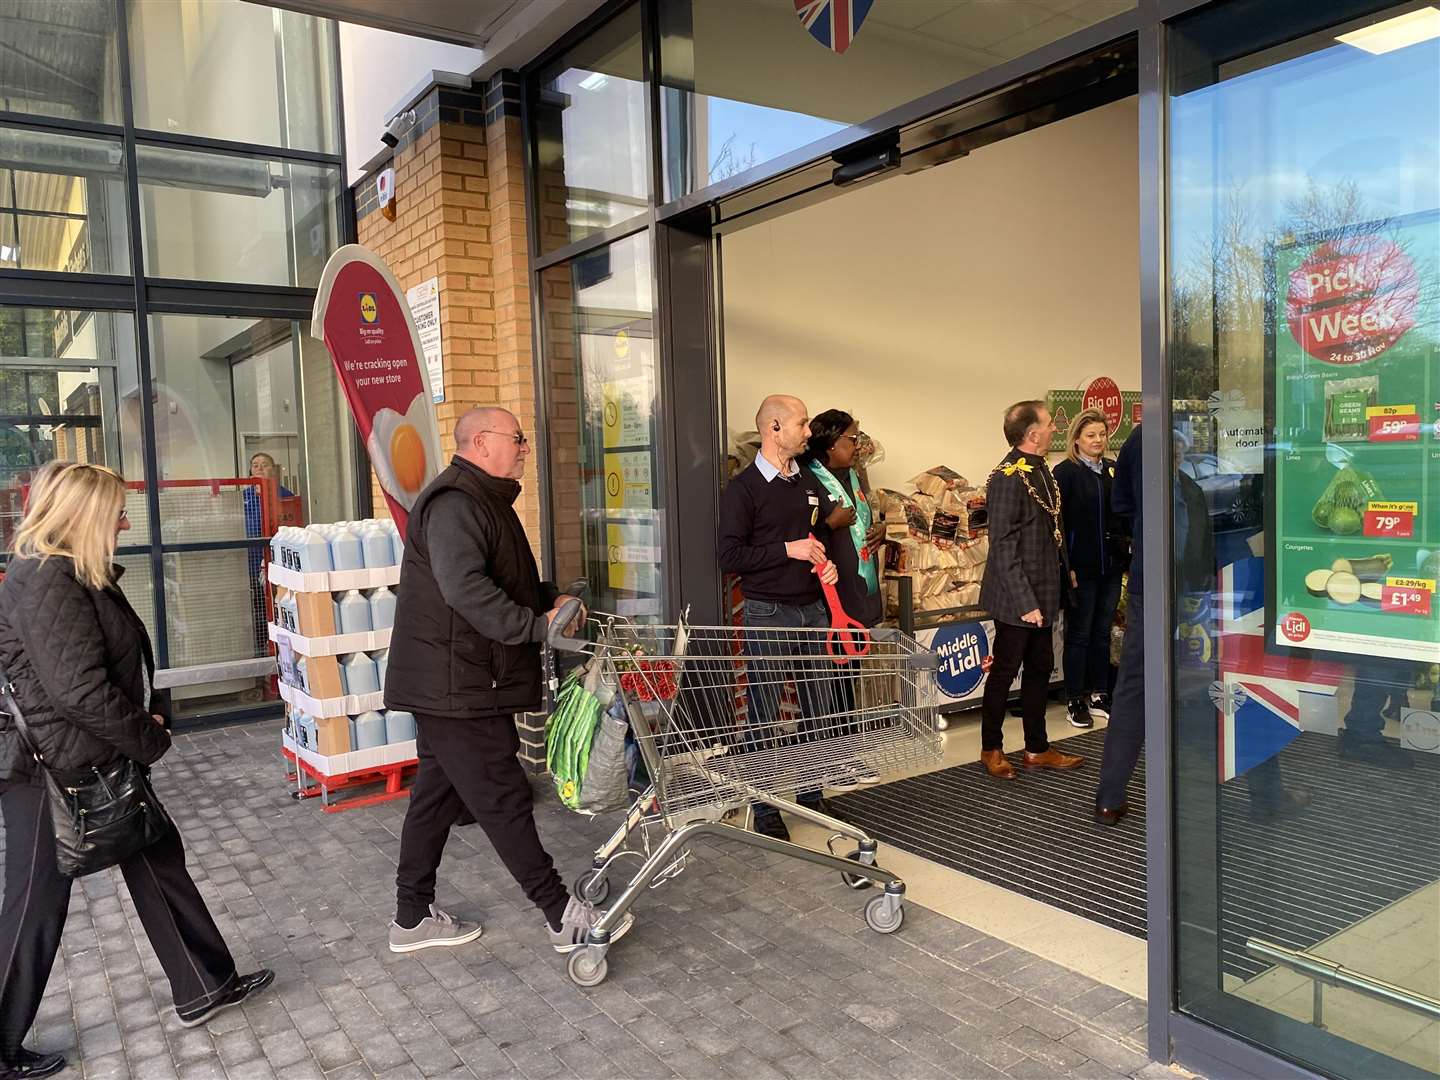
<point x="1367" y="839"/>
<point x="1034" y="835"/>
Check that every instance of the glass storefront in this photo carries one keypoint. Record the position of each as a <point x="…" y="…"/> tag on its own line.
<point x="606" y="523"/>
<point x="742" y="84"/>
<point x="590" y="146"/>
<point x="1297" y="855"/>
<point x="62" y="203"/>
<point x="234" y="71"/>
<point x="249" y="428"/>
<point x="1304" y="313"/>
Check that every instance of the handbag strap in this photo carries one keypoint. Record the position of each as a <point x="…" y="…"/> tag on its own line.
<point x="7" y="698"/>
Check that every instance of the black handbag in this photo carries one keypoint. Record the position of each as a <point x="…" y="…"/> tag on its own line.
<point x="102" y="819"/>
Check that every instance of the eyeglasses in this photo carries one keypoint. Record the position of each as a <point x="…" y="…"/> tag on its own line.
<point x="124" y="515"/>
<point x="858" y="438"/>
<point x="518" y="436"/>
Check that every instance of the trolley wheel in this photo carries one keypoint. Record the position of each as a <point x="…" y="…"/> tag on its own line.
<point x="878" y="920"/>
<point x="855" y="881"/>
<point x="584" y="972"/>
<point x="593" y="886"/>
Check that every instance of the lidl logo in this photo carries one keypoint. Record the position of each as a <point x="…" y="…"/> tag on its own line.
<point x="369" y="309"/>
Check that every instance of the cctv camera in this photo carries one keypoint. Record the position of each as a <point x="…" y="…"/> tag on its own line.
<point x="397" y="127"/>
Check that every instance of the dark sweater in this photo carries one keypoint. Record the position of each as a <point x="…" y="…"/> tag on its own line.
<point x="757" y="519"/>
<point x="1094" y="535"/>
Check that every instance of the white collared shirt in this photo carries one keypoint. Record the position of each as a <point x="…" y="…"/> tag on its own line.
<point x="770" y="472"/>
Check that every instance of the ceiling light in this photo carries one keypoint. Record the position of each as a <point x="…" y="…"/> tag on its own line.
<point x="594" y="81"/>
<point x="9" y="254"/>
<point x="1422" y="24"/>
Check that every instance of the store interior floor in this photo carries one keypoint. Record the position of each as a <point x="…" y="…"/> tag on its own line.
<point x="1104" y="954"/>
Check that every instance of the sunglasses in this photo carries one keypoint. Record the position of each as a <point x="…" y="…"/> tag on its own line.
<point x="518" y="436"/>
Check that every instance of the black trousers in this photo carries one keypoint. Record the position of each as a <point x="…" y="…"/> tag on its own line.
<point x="1125" y="733"/>
<point x="184" y="936"/>
<point x="471" y="765"/>
<point x="1029" y="652"/>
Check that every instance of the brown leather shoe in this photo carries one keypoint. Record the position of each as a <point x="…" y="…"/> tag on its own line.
<point x="1111" y="817"/>
<point x="997" y="765"/>
<point x="1052" y="759"/>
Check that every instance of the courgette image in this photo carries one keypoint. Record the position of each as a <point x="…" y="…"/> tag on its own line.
<point x="1343" y="588"/>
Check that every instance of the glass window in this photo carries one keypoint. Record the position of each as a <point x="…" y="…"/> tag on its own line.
<point x="590" y="141"/>
<point x="62" y="203"/>
<point x="59" y="59"/>
<point x="226" y="217"/>
<point x="604" y="479"/>
<point x="239" y="451"/>
<point x="1304" y="313"/>
<point x="237" y="71"/>
<point x="68" y="391"/>
<point x="726" y="109"/>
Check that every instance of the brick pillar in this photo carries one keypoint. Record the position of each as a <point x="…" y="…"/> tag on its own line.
<point x="460" y="217"/>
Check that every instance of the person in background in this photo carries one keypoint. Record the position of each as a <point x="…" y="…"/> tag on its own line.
<point x="1099" y="551"/>
<point x="856" y="538"/>
<point x="82" y="671"/>
<point x="1026" y="579"/>
<point x="856" y="535"/>
<point x="770" y="534"/>
<point x="1125" y="733"/>
<point x="464" y="659"/>
<point x="262" y="467"/>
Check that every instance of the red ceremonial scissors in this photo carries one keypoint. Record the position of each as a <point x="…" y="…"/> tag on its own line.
<point x="842" y="626"/>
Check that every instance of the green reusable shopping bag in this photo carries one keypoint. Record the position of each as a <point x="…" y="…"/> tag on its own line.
<point x="568" y="736"/>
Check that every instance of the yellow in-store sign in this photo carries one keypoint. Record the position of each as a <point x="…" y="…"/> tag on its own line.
<point x="1390" y="410"/>
<point x="1425" y="584"/>
<point x="622" y="344"/>
<point x="1394" y="507"/>
<point x="612" y="414"/>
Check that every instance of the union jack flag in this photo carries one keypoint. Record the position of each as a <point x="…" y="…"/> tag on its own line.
<point x="1264" y="701"/>
<point x="833" y="23"/>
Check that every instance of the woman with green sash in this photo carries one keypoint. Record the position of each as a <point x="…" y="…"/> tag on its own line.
<point x="856" y="535"/>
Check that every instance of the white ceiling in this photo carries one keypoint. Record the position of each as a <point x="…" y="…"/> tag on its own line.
<point x="461" y="22"/>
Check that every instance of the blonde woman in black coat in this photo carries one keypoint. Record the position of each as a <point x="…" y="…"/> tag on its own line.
<point x="82" y="671"/>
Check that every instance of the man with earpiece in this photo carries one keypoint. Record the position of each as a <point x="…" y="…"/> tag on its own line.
<point x="772" y="535"/>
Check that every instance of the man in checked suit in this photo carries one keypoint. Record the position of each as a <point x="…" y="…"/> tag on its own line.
<point x="1026" y="580"/>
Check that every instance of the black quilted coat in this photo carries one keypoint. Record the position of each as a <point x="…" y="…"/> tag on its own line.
<point x="80" y="660"/>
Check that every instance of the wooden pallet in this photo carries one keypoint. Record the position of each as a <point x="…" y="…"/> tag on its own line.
<point x="309" y="782"/>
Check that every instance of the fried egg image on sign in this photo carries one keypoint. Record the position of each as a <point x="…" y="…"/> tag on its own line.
<point x="397" y="448"/>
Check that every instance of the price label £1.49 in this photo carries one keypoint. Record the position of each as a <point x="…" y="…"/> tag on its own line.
<point x="1407" y="596"/>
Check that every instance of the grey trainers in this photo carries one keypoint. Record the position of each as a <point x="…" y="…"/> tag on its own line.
<point x="579" y="917"/>
<point x="438" y="929"/>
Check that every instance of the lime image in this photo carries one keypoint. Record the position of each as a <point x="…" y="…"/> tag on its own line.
<point x="1344" y="521"/>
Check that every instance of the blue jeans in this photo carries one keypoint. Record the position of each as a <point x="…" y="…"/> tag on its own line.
<point x="1087" y="635"/>
<point x="764" y="637"/>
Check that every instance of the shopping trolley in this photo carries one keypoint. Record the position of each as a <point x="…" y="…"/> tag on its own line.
<point x="726" y="717"/>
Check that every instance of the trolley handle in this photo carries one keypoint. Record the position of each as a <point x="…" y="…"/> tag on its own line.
<point x="557" y="638"/>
